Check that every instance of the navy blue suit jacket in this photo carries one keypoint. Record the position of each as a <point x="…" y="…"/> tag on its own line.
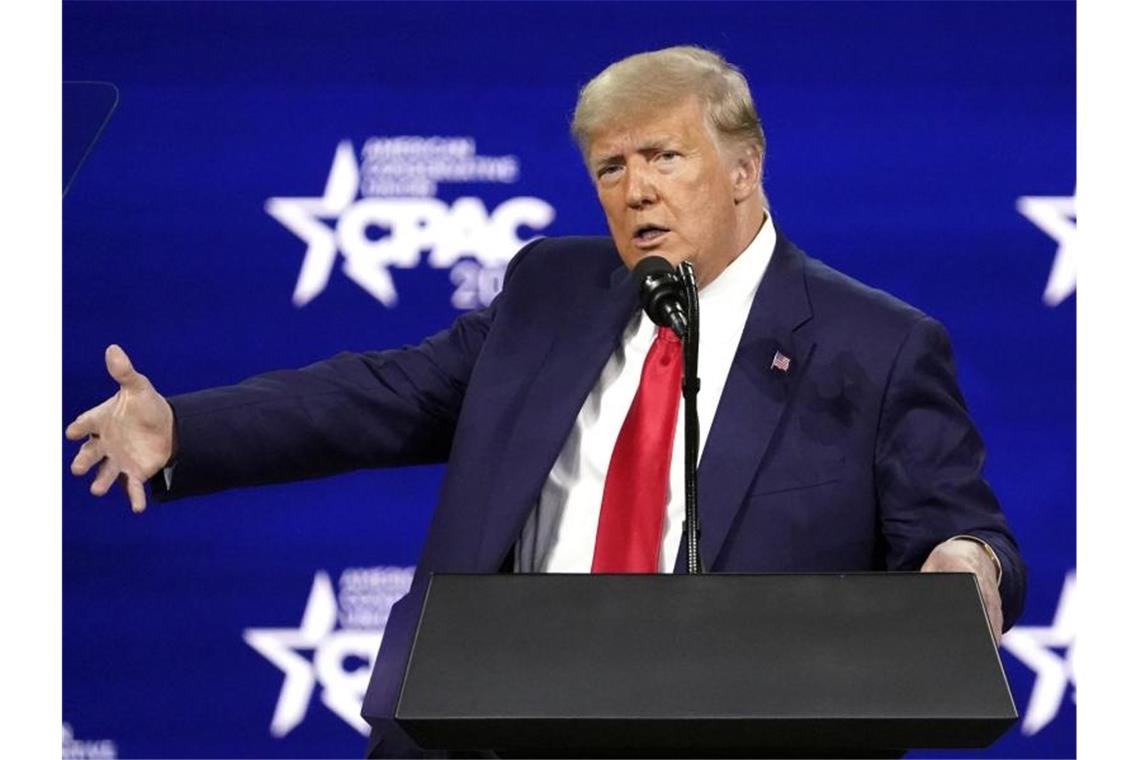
<point x="861" y="457"/>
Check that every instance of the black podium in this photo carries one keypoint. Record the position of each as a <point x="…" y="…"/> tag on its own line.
<point x="704" y="665"/>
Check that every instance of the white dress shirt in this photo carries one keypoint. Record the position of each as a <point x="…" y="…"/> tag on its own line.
<point x="559" y="535"/>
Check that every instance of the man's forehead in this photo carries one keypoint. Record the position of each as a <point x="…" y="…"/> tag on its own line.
<point x="647" y="128"/>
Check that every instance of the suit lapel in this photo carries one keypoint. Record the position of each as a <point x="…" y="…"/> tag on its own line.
<point x="754" y="398"/>
<point x="574" y="360"/>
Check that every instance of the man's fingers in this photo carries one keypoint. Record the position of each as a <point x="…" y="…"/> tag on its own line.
<point x="90" y="422"/>
<point x="108" y="471"/>
<point x="995" y="618"/>
<point x="82" y="426"/>
<point x="120" y="368"/>
<point x="993" y="610"/>
<point x="136" y="493"/>
<point x="963" y="557"/>
<point x="89" y="454"/>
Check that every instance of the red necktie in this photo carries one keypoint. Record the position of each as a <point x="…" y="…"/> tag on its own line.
<point x="637" y="483"/>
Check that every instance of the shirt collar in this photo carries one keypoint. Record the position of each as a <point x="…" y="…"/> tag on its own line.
<point x="733" y="291"/>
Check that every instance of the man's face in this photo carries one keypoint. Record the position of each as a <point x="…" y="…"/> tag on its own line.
<point x="668" y="190"/>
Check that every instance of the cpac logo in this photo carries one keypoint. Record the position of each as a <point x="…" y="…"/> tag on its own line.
<point x="377" y="232"/>
<point x="339" y="659"/>
<point x="1056" y="216"/>
<point x="86" y="749"/>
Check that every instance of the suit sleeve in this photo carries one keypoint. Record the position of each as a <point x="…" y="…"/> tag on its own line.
<point x="928" y="465"/>
<point x="353" y="411"/>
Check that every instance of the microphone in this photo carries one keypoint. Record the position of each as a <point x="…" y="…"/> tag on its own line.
<point x="662" y="293"/>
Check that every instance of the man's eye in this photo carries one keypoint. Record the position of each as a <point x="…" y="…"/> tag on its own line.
<point x="668" y="155"/>
<point x="608" y="171"/>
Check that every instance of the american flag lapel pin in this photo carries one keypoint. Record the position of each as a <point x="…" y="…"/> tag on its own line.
<point x="781" y="362"/>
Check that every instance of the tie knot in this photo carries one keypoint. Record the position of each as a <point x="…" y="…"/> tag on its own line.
<point x="666" y="334"/>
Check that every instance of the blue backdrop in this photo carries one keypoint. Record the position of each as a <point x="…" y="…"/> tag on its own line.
<point x="251" y="207"/>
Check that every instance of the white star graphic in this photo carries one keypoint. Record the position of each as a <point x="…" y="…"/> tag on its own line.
<point x="1056" y="216"/>
<point x="1034" y="646"/>
<point x="279" y="645"/>
<point x="302" y="217"/>
<point x="341" y="691"/>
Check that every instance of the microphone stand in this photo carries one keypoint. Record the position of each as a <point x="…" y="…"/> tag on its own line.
<point x="690" y="386"/>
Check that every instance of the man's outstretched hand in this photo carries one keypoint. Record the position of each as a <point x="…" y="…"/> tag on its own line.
<point x="959" y="555"/>
<point x="131" y="433"/>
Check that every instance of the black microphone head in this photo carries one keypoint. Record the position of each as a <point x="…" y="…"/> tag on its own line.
<point x="662" y="293"/>
<point x="651" y="266"/>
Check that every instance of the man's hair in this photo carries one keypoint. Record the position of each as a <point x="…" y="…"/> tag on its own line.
<point x="661" y="78"/>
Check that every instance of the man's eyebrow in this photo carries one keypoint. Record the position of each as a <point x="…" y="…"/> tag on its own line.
<point x="648" y="146"/>
<point x="606" y="160"/>
<point x="656" y="144"/>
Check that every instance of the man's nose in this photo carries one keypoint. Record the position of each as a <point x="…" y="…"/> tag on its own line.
<point x="640" y="188"/>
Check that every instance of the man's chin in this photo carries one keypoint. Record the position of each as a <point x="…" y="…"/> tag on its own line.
<point x="631" y="255"/>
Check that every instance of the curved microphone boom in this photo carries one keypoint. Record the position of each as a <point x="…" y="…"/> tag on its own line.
<point x="662" y="293"/>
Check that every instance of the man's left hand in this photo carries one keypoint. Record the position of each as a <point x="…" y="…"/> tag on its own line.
<point x="960" y="555"/>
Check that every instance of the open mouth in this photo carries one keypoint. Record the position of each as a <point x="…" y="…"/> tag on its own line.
<point x="649" y="234"/>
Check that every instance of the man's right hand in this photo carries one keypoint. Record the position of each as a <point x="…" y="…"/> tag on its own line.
<point x="131" y="433"/>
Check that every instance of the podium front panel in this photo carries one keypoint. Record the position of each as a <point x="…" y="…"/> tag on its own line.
<point x="729" y="662"/>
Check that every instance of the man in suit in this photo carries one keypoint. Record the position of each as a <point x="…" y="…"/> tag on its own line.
<point x="834" y="439"/>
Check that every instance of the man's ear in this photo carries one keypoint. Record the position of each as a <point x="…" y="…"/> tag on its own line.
<point x="746" y="169"/>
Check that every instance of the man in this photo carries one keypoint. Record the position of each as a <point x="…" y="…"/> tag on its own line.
<point x="834" y="434"/>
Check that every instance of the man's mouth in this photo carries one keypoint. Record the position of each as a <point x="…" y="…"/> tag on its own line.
<point x="649" y="235"/>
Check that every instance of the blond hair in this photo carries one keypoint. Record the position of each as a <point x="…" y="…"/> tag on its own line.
<point x="660" y="78"/>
